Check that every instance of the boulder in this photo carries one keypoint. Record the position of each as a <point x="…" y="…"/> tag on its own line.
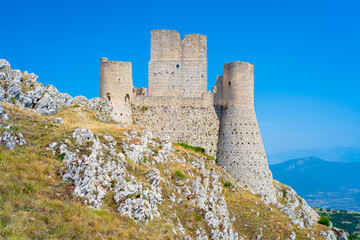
<point x="14" y="91"/>
<point x="82" y="135"/>
<point x="30" y="98"/>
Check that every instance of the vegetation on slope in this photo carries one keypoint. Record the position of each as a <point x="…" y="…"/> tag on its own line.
<point x="36" y="203"/>
<point x="346" y="220"/>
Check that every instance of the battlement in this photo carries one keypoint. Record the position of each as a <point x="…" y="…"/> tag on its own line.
<point x="238" y="84"/>
<point x="177" y="67"/>
<point x="118" y="63"/>
<point x="166" y="44"/>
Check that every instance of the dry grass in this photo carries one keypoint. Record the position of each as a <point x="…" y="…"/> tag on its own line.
<point x="35" y="203"/>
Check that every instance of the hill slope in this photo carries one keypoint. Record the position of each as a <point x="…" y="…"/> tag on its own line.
<point x="73" y="176"/>
<point x="323" y="184"/>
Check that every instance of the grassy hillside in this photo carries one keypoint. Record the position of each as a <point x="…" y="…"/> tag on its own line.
<point x="36" y="203"/>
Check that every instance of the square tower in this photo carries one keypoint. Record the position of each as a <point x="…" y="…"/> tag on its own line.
<point x="177" y="67"/>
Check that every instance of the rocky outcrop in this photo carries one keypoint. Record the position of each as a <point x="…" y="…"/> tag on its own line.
<point x="23" y="89"/>
<point x="300" y="213"/>
<point x="9" y="138"/>
<point x="103" y="170"/>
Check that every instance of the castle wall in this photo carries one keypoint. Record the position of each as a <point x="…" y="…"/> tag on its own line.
<point x="192" y="120"/>
<point x="116" y="85"/>
<point x="240" y="148"/>
<point x="177" y="67"/>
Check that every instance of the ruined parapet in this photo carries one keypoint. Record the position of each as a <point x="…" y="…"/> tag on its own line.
<point x="177" y="67"/>
<point x="240" y="148"/>
<point x="116" y="86"/>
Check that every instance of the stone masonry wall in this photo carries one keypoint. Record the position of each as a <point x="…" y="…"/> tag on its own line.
<point x="190" y="120"/>
<point x="116" y="85"/>
<point x="240" y="149"/>
<point x="177" y="67"/>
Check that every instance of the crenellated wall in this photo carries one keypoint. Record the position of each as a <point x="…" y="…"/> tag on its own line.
<point x="177" y="67"/>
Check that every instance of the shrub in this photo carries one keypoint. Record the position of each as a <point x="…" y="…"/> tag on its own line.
<point x="145" y="107"/>
<point x="228" y="184"/>
<point x="29" y="188"/>
<point x="61" y="156"/>
<point x="127" y="179"/>
<point x="324" y="221"/>
<point x="353" y="236"/>
<point x="13" y="100"/>
<point x="180" y="174"/>
<point x="197" y="217"/>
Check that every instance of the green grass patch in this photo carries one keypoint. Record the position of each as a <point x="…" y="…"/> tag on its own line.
<point x="228" y="184"/>
<point x="180" y="174"/>
<point x="196" y="149"/>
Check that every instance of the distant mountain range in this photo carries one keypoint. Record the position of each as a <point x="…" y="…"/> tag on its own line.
<point x="323" y="184"/>
<point x="331" y="154"/>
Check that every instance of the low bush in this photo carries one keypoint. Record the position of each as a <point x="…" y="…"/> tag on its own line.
<point x="228" y="184"/>
<point x="180" y="174"/>
<point x="324" y="221"/>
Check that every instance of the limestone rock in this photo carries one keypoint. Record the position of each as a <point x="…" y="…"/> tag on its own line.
<point x="82" y="135"/>
<point x="30" y="98"/>
<point x="2" y="94"/>
<point x="10" y="140"/>
<point x="300" y="213"/>
<point x="58" y="120"/>
<point x="14" y="91"/>
<point x="4" y="63"/>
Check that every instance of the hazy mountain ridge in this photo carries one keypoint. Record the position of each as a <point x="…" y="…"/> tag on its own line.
<point x="331" y="154"/>
<point x="323" y="184"/>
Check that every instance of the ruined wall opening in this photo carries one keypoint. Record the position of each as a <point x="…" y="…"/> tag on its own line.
<point x="127" y="98"/>
<point x="108" y="96"/>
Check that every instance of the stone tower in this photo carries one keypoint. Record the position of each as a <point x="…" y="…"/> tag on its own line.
<point x="177" y="67"/>
<point x="240" y="148"/>
<point x="116" y="85"/>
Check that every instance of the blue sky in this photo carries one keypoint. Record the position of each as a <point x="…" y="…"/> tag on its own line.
<point x="306" y="54"/>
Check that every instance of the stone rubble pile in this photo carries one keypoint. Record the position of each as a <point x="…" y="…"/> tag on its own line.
<point x="23" y="89"/>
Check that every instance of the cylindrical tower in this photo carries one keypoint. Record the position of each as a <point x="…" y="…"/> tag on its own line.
<point x="240" y="148"/>
<point x="116" y="86"/>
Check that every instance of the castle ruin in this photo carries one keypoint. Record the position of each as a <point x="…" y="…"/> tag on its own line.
<point x="178" y="105"/>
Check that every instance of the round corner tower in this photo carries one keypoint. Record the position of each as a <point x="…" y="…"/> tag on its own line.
<point x="240" y="148"/>
<point x="116" y="86"/>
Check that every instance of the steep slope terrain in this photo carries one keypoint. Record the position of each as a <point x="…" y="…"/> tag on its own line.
<point x="74" y="176"/>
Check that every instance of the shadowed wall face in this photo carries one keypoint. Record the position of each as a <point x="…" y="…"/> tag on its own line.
<point x="240" y="147"/>
<point x="177" y="67"/>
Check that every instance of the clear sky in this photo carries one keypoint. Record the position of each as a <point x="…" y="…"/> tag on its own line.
<point x="306" y="54"/>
